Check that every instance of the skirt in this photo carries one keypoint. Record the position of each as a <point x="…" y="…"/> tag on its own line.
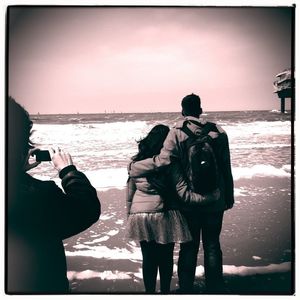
<point x="162" y="227"/>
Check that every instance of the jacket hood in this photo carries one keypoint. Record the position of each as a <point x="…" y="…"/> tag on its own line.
<point x="192" y="126"/>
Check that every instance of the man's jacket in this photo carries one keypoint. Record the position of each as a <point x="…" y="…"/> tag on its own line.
<point x="174" y="150"/>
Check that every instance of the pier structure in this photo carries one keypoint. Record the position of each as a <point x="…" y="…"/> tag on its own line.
<point x="283" y="86"/>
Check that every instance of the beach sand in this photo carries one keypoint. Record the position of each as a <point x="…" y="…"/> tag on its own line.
<point x="256" y="239"/>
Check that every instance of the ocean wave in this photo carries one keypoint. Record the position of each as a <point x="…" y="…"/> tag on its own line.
<point x="116" y="178"/>
<point x="99" y="146"/>
<point x="230" y="270"/>
<point x="261" y="171"/>
<point x="105" y="179"/>
<point x="247" y="270"/>
<point x="263" y="129"/>
<point x="105" y="252"/>
<point x="85" y="135"/>
<point x="260" y="146"/>
<point x="130" y="131"/>
<point x="105" y="275"/>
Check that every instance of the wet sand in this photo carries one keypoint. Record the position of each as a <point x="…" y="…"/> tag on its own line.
<point x="256" y="241"/>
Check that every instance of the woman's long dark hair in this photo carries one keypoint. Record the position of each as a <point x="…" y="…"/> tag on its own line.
<point x="152" y="143"/>
<point x="148" y="147"/>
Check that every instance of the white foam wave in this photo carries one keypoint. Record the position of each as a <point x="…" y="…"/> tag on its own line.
<point x="105" y="217"/>
<point x="101" y="239"/>
<point x="255" y="257"/>
<point x="249" y="270"/>
<point x="227" y="270"/>
<point x="258" y="146"/>
<point x="108" y="178"/>
<point x="116" y="178"/>
<point x="105" y="179"/>
<point x="113" y="232"/>
<point x="261" y="171"/>
<point x="134" y="254"/>
<point x="245" y="270"/>
<point x="259" y="128"/>
<point x="108" y="133"/>
<point x="79" y="246"/>
<point x="105" y="275"/>
<point x="105" y="252"/>
<point x="239" y="192"/>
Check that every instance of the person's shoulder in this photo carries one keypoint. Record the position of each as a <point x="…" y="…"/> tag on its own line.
<point x="179" y="124"/>
<point x="220" y="129"/>
<point x="177" y="132"/>
<point x="216" y="126"/>
<point x="41" y="184"/>
<point x="39" y="189"/>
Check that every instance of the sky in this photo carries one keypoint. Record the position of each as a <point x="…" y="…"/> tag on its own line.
<point x="146" y="59"/>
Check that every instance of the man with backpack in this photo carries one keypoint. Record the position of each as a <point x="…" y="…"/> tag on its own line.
<point x="202" y="149"/>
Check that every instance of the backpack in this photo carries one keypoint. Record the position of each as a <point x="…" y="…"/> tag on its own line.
<point x="201" y="165"/>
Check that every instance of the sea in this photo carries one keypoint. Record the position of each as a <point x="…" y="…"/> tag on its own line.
<point x="101" y="145"/>
<point x="257" y="235"/>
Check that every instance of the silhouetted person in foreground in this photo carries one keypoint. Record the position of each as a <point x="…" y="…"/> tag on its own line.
<point x="154" y="218"/>
<point x="204" y="220"/>
<point x="39" y="215"/>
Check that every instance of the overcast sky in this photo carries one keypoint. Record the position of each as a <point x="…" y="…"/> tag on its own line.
<point x="125" y="59"/>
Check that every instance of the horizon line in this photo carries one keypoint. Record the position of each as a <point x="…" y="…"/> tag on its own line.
<point x="150" y="112"/>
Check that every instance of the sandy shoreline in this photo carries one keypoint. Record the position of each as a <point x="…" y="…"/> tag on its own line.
<point x="271" y="284"/>
<point x="108" y="282"/>
<point x="256" y="243"/>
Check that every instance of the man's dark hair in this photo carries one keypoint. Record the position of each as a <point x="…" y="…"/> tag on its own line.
<point x="19" y="128"/>
<point x="191" y="106"/>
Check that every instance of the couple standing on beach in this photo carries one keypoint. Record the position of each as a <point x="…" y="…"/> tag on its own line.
<point x="163" y="208"/>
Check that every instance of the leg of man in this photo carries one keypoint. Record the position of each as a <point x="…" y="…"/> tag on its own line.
<point x="188" y="255"/>
<point x="165" y="264"/>
<point x="150" y="265"/>
<point x="213" y="261"/>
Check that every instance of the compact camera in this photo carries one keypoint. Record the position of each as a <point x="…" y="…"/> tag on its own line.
<point x="42" y="155"/>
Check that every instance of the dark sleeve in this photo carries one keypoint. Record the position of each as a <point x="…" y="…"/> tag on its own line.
<point x="167" y="153"/>
<point x="80" y="206"/>
<point x="183" y="191"/>
<point x="223" y="157"/>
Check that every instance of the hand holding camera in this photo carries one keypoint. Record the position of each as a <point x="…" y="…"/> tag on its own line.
<point x="60" y="159"/>
<point x="28" y="163"/>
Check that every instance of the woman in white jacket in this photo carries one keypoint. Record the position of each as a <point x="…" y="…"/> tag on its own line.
<point x="154" y="218"/>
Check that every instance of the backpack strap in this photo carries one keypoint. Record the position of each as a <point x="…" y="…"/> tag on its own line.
<point x="186" y="130"/>
<point x="209" y="126"/>
<point x="199" y="124"/>
<point x="206" y="128"/>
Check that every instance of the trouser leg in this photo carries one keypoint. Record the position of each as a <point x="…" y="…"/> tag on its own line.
<point x="150" y="266"/>
<point x="213" y="260"/>
<point x="188" y="255"/>
<point x="165" y="257"/>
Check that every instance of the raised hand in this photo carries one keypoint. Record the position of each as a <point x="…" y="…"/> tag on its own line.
<point x="28" y="165"/>
<point x="60" y="159"/>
